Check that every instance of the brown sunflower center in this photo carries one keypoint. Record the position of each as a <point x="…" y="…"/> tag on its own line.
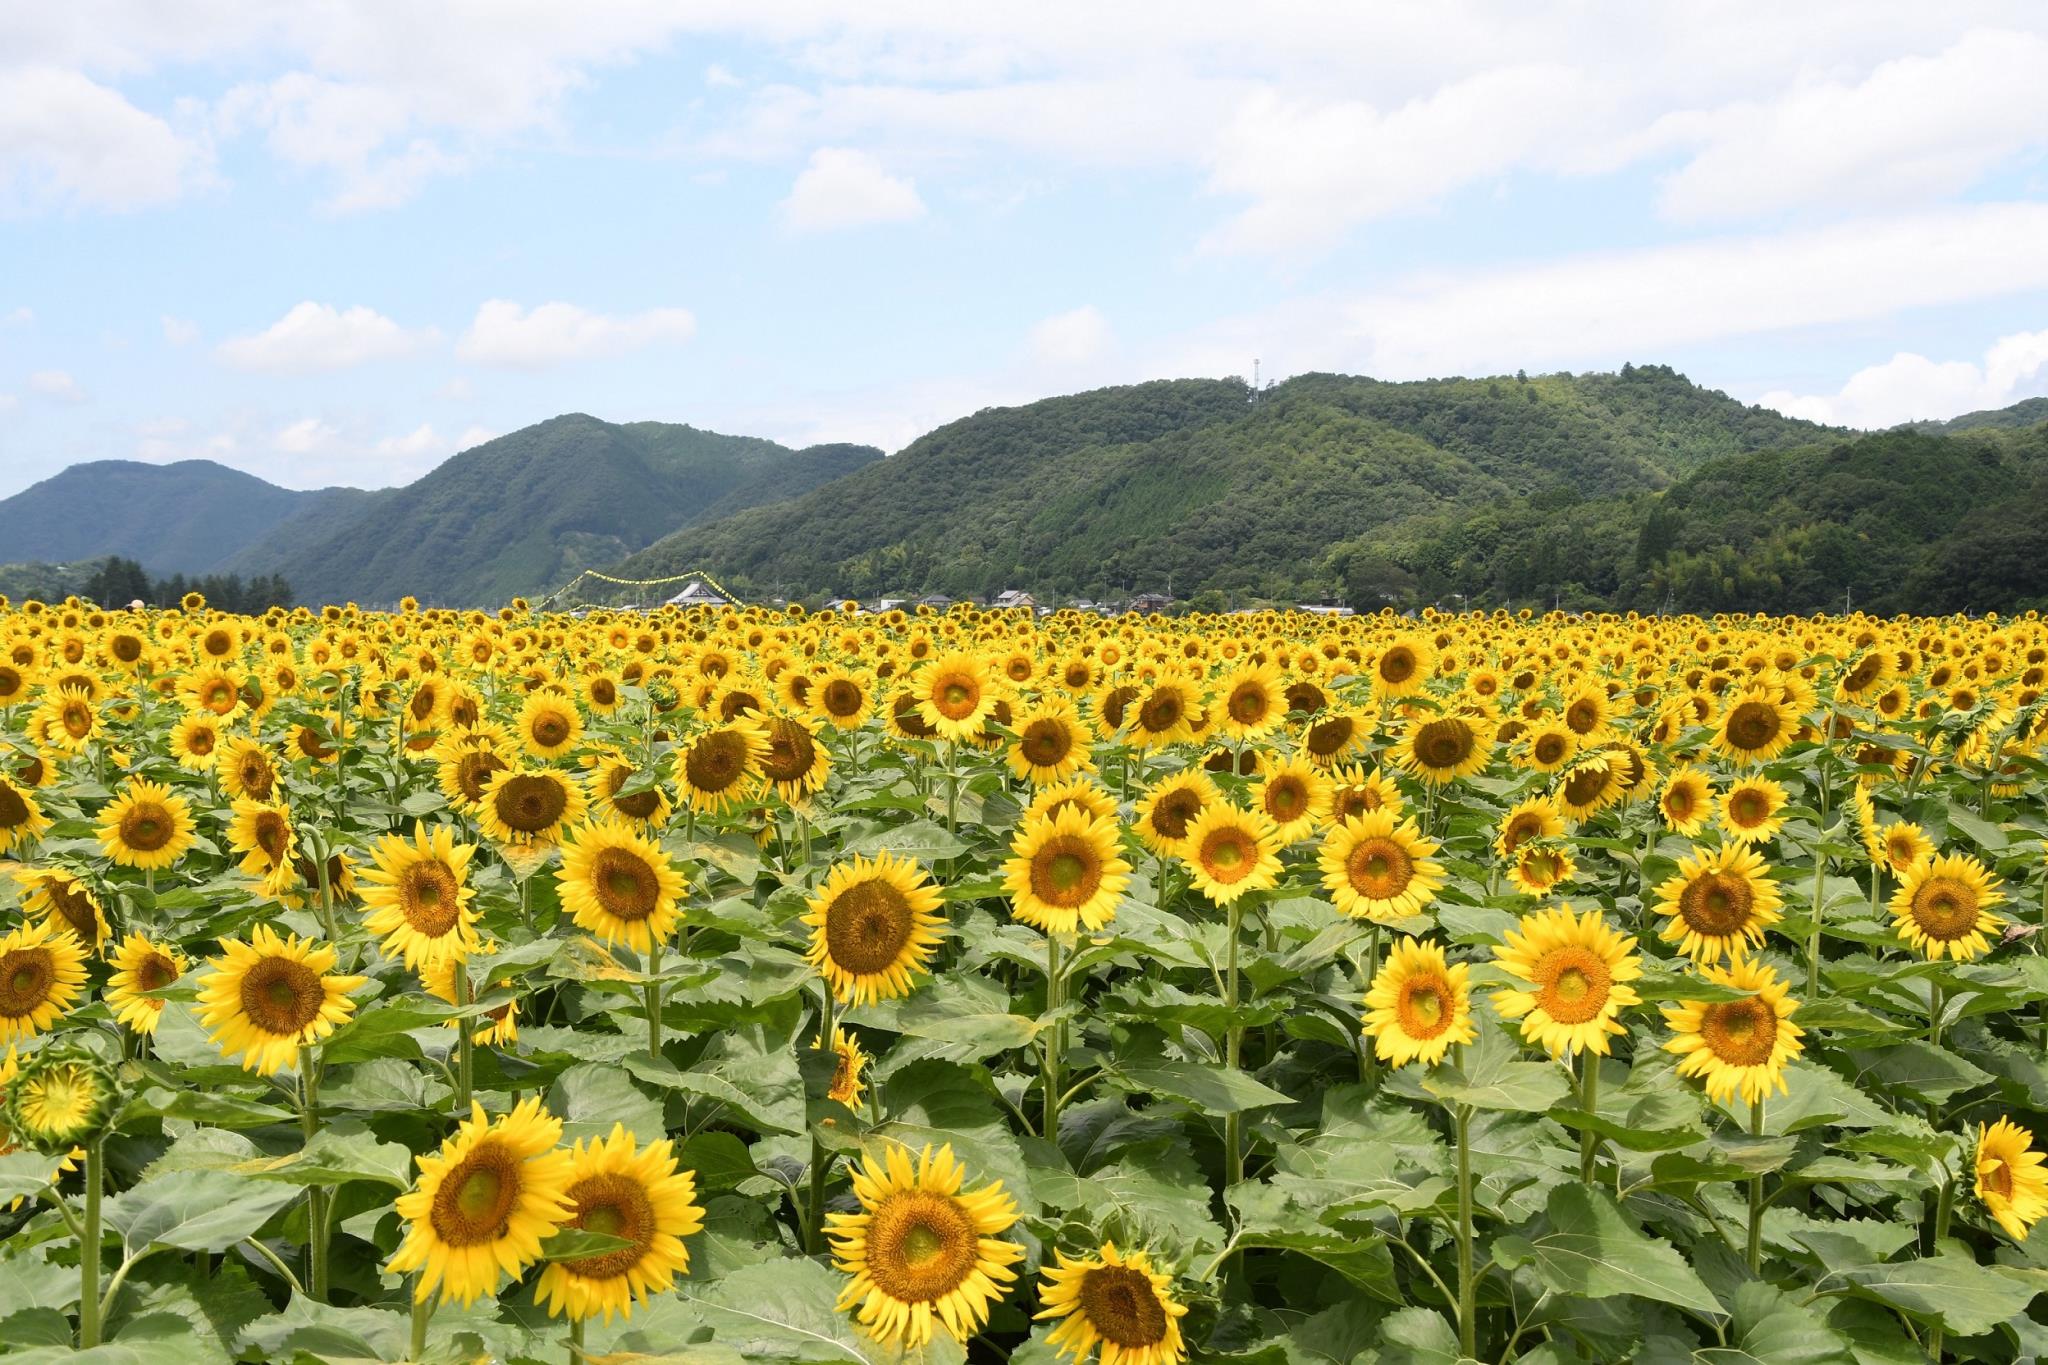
<point x="1523" y="826"/>
<point x="1065" y="871"/>
<point x="1572" y="984"/>
<point x="529" y="802"/>
<point x="867" y="926"/>
<point x="1586" y="786"/>
<point x="311" y="745"/>
<point x="1046" y="743"/>
<point x="1425" y="1007"/>
<point x="640" y="805"/>
<point x="472" y="768"/>
<point x="1172" y="812"/>
<point x="1161" y="711"/>
<point x="842" y="698"/>
<point x="26" y="975"/>
<point x="1227" y="855"/>
<point x="1945" y="909"/>
<point x="617" y="1206"/>
<point x="1328" y="737"/>
<point x="1995" y="1177"/>
<point x="1680" y="802"/>
<point x="146" y="827"/>
<point x="921" y="1246"/>
<point x="1444" y="744"/>
<point x="1397" y="665"/>
<point x="1120" y="1303"/>
<point x="604" y="692"/>
<point x="1249" y="703"/>
<point x="281" y="995"/>
<point x="476" y="1198"/>
<point x="716" y="762"/>
<point x="1582" y="717"/>
<point x="550" y="729"/>
<point x="624" y="884"/>
<point x="1379" y="869"/>
<point x="154" y="973"/>
<point x="790" y="751"/>
<point x="13" y="808"/>
<point x="1752" y="725"/>
<point x="1740" y="1032"/>
<point x="1749" y="807"/>
<point x="1286" y="798"/>
<point x="255" y="775"/>
<point x="430" y="898"/>
<point x="76" y="718"/>
<point x="76" y="908"/>
<point x="1716" y="904"/>
<point x="272" y="834"/>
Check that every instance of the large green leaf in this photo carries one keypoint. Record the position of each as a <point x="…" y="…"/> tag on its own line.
<point x="1211" y="1088"/>
<point x="1593" y="1251"/>
<point x="335" y="1156"/>
<point x="1948" y="1288"/>
<point x="195" y="1210"/>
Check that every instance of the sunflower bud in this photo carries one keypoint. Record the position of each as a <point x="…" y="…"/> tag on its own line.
<point x="63" y="1097"/>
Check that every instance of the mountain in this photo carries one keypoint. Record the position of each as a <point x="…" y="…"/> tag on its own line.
<point x="1204" y="485"/>
<point x="191" y="517"/>
<point x="2025" y="413"/>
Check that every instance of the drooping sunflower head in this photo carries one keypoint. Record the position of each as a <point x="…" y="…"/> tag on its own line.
<point x="1231" y="852"/>
<point x="1419" y="1005"/>
<point x="66" y="899"/>
<point x="1943" y="906"/>
<point x="418" y="896"/>
<point x="145" y="826"/>
<point x="721" y="767"/>
<point x="874" y="927"/>
<point x="635" y="1193"/>
<point x="1540" y="866"/>
<point x="2010" y="1179"/>
<point x="1719" y="903"/>
<point x="42" y="975"/>
<point x="1737" y="1047"/>
<point x="142" y="965"/>
<point x="1065" y="873"/>
<point x="1115" y="1299"/>
<point x="264" y="998"/>
<point x="529" y="806"/>
<point x="1164" y="814"/>
<point x="618" y="884"/>
<point x="1377" y="869"/>
<point x="1572" y="972"/>
<point x="849" y="1062"/>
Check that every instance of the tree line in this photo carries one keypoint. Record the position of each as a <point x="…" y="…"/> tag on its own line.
<point x="117" y="582"/>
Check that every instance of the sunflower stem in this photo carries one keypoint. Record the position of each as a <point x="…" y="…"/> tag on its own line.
<point x="814" y="1207"/>
<point x="1589" y="1100"/>
<point x="1756" y="1193"/>
<point x="1048" y="1126"/>
<point x="465" y="1044"/>
<point x="575" y="1341"/>
<point x="2042" y="1008"/>
<point x="1233" y="1050"/>
<point x="422" y="1314"/>
<point x="327" y="920"/>
<point x="1369" y="1063"/>
<point x="1942" y="1209"/>
<point x="653" y="994"/>
<point x="89" y="1247"/>
<point x="316" y="1197"/>
<point x="952" y="785"/>
<point x="1468" y="1308"/>
<point x="1820" y="867"/>
<point x="1937" y="999"/>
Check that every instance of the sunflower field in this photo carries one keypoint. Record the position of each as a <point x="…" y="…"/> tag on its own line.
<point x="721" y="987"/>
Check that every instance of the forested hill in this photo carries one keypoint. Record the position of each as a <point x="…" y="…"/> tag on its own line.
<point x="1204" y="486"/>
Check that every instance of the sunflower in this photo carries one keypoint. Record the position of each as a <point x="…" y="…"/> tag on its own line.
<point x="1295" y="796"/>
<point x="1687" y="801"/>
<point x="1051" y="745"/>
<point x="1719" y="903"/>
<point x="145" y="826"/>
<point x="484" y="1203"/>
<point x="796" y="763"/>
<point x="1942" y="906"/>
<point x="1590" y="785"/>
<point x="1755" y="727"/>
<point x="1902" y="843"/>
<point x="64" y="899"/>
<point x="1572" y="970"/>
<point x="1333" y="737"/>
<point x="1541" y="865"/>
<point x="321" y="736"/>
<point x="610" y="772"/>
<point x="463" y="764"/>
<point x="261" y="831"/>
<point x="42" y="975"/>
<point x="1080" y="793"/>
<point x="246" y="770"/>
<point x="69" y="719"/>
<point x="1230" y="852"/>
<point x="842" y="698"/>
<point x="1535" y="817"/>
<point x="141" y="964"/>
<point x="1548" y="747"/>
<point x="721" y="767"/>
<point x="874" y="927"/>
<point x="1248" y="701"/>
<point x="1738" y="1047"/>
<point x="1375" y="869"/>
<point x="57" y="1098"/>
<point x="10" y="1069"/>
<point x="636" y="1193"/>
<point x="1354" y="791"/>
<point x="603" y="693"/>
<point x="418" y="896"/>
<point x="1439" y="749"/>
<point x="2010" y="1181"/>
<point x="549" y="725"/>
<point x="1163" y="816"/>
<point x="847" y="1086"/>
<point x="1065" y="873"/>
<point x="1418" y="1005"/>
<point x="525" y="805"/>
<point x="618" y="884"/>
<point x="266" y="998"/>
<point x="955" y="694"/>
<point x="21" y="818"/>
<point x="1114" y="1298"/>
<point x="1163" y="713"/>
<point x="1750" y="810"/>
<point x="1403" y="667"/>
<point x="196" y="741"/>
<point x="920" y="1251"/>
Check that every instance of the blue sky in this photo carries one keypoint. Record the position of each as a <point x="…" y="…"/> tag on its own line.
<point x="335" y="242"/>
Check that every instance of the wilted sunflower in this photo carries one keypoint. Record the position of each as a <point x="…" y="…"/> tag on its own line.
<point x="920" y="1252"/>
<point x="636" y="1193"/>
<point x="1230" y="852"/>
<point x="610" y="772"/>
<point x="246" y="770"/>
<point x="1295" y="796"/>
<point x="196" y="741"/>
<point x="796" y="763"/>
<point x="1439" y="749"/>
<point x="874" y="926"/>
<point x="1535" y="817"/>
<point x="265" y="998"/>
<point x="523" y="806"/>
<point x="261" y="831"/>
<point x="1419" y="1005"/>
<point x="1065" y="873"/>
<point x="1163" y="816"/>
<point x="1942" y="907"/>
<point x="1755" y="728"/>
<point x="1376" y="869"/>
<point x="618" y="884"/>
<point x="1750" y="810"/>
<point x="21" y="818"/>
<point x="1116" y="1299"/>
<point x="2009" y="1177"/>
<point x="65" y="900"/>
<point x="1687" y="802"/>
<point x="1737" y="1047"/>
<point x="418" y="896"/>
<point x="484" y="1203"/>
<point x="1572" y="970"/>
<point x="42" y="974"/>
<point x="955" y="694"/>
<point x="141" y="964"/>
<point x="549" y="725"/>
<point x="145" y="826"/>
<point x="1719" y="903"/>
<point x="721" y="767"/>
<point x="1051" y="745"/>
<point x="1248" y="701"/>
<point x="849" y="1062"/>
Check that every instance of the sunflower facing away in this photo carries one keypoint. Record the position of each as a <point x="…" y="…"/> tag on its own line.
<point x="1719" y="903"/>
<point x="529" y="806"/>
<point x="1065" y="873"/>
<point x="1737" y="1047"/>
<point x="619" y="885"/>
<point x="484" y="1203"/>
<point x="146" y="826"/>
<point x="921" y="1253"/>
<point x="1230" y="852"/>
<point x="42" y="974"/>
<point x="418" y="896"/>
<point x="1114" y="1298"/>
<point x="1376" y="869"/>
<point x="2010" y="1180"/>
<point x="796" y="762"/>
<point x="265" y="998"/>
<point x="1164" y="814"/>
<point x="141" y="964"/>
<point x="874" y="926"/>
<point x="1942" y="907"/>
<point x="1572" y="970"/>
<point x="1418" y="1006"/>
<point x="636" y="1193"/>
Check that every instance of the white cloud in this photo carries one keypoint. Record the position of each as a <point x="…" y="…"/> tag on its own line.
<point x="475" y="436"/>
<point x="421" y="440"/>
<point x="1911" y="387"/>
<point x="66" y="140"/>
<point x="843" y="188"/>
<point x="1072" y="338"/>
<point x="505" y="334"/>
<point x="307" y="436"/>
<point x="178" y="331"/>
<point x="717" y="77"/>
<point x="456" y="390"/>
<point x="57" y="384"/>
<point x="313" y="337"/>
<point x="18" y="317"/>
